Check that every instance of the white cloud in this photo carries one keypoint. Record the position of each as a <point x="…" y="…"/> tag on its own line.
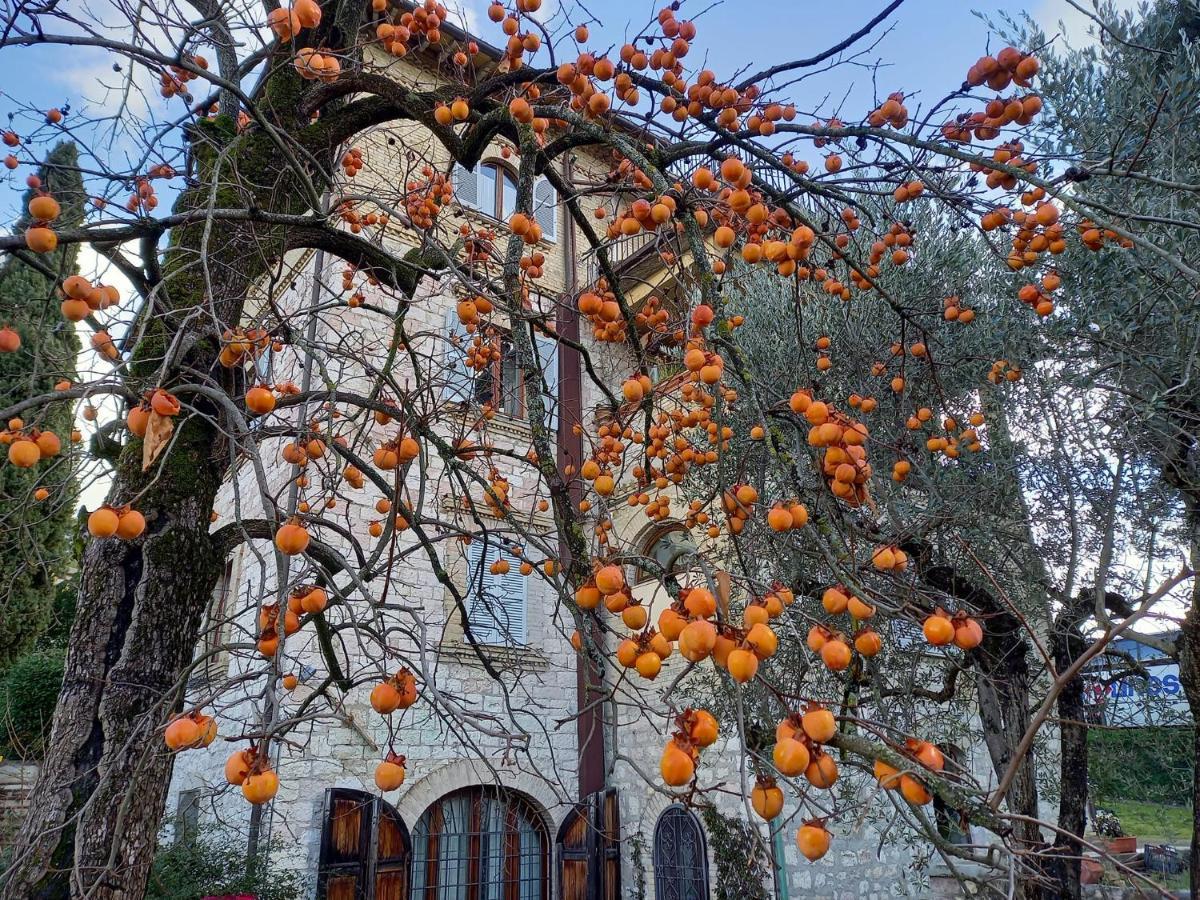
<point x="95" y="480"/>
<point x="1078" y="27"/>
<point x="470" y="16"/>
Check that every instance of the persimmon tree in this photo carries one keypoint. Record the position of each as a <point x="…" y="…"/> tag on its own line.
<point x="288" y="131"/>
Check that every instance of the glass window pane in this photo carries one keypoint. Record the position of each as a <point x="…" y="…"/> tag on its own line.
<point x="530" y="869"/>
<point x="510" y="381"/>
<point x="487" y="189"/>
<point x="454" y="849"/>
<point x="680" y="858"/>
<point x="420" y="841"/>
<point x="487" y="847"/>
<point x="492" y="848"/>
<point x="510" y="196"/>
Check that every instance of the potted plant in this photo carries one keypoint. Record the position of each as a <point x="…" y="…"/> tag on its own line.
<point x="1090" y="870"/>
<point x="1107" y="825"/>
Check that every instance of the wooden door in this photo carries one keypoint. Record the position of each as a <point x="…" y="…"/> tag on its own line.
<point x="365" y="849"/>
<point x="589" y="849"/>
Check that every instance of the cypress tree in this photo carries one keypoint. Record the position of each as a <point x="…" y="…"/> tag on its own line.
<point x="36" y="546"/>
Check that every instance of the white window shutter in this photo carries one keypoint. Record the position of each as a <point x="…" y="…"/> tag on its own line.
<point x="262" y="365"/>
<point x="495" y="603"/>
<point x="547" y="348"/>
<point x="458" y="376"/>
<point x="511" y="589"/>
<point x="545" y="208"/>
<point x="466" y="186"/>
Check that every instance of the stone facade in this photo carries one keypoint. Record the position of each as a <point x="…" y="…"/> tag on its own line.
<point x="340" y="742"/>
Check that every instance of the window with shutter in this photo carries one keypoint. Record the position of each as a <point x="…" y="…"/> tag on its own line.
<point x="501" y="384"/>
<point x="545" y="208"/>
<point x="492" y="189"/>
<point x="216" y="630"/>
<point x="365" y="849"/>
<point x="458" y="380"/>
<point x="495" y="603"/>
<point x="187" y="814"/>
<point x="466" y="186"/>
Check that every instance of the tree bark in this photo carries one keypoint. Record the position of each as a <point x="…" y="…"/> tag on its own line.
<point x="1067" y="644"/>
<point x="1002" y="686"/>
<point x="99" y="797"/>
<point x="1189" y="677"/>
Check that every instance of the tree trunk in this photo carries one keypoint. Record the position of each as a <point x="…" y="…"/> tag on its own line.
<point x="1189" y="677"/>
<point x="1067" y="644"/>
<point x="1002" y="685"/>
<point x="1181" y="474"/>
<point x="99" y="795"/>
<point x="98" y="800"/>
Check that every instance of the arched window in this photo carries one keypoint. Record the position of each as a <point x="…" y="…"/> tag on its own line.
<point x="680" y="856"/>
<point x="365" y="849"/>
<point x="480" y="843"/>
<point x="491" y="188"/>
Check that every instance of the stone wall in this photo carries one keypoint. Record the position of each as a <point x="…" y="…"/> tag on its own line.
<point x="518" y="734"/>
<point x="16" y="783"/>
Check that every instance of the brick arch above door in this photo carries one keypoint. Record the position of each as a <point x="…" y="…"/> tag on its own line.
<point x="463" y="773"/>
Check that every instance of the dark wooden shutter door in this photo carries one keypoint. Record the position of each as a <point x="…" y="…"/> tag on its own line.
<point x="572" y="849"/>
<point x="365" y="849"/>
<point x="393" y="853"/>
<point x="589" y="849"/>
<point x="345" y="845"/>
<point x="609" y="836"/>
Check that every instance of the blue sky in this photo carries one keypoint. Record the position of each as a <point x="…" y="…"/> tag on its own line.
<point x="926" y="52"/>
<point x="926" y="47"/>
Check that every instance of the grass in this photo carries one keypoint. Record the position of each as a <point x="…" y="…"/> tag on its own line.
<point x="1154" y="823"/>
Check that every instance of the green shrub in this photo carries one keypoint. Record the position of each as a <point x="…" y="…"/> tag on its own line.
<point x="743" y="867"/>
<point x="1152" y="764"/>
<point x="62" y="613"/>
<point x="28" y="694"/>
<point x="213" y="863"/>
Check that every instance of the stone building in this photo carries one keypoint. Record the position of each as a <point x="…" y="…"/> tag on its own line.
<point x="564" y="800"/>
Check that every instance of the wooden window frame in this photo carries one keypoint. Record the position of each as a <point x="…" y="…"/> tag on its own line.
<point x="496" y="369"/>
<point x="495" y="207"/>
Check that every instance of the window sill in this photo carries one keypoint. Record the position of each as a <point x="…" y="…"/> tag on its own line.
<point x="500" y="421"/>
<point x="490" y="221"/>
<point x="524" y="658"/>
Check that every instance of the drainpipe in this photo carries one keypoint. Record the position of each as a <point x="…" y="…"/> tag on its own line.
<point x="779" y="860"/>
<point x="590" y="722"/>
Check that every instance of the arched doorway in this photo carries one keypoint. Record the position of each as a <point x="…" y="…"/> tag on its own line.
<point x="365" y="849"/>
<point x="680" y="856"/>
<point x="481" y="843"/>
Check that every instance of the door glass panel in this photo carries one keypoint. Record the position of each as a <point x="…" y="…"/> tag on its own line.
<point x="509" y="200"/>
